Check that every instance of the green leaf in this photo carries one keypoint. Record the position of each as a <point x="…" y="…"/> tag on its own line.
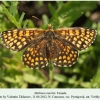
<point x="21" y="18"/>
<point x="45" y="19"/>
<point x="34" y="77"/>
<point x="13" y="8"/>
<point x="72" y="10"/>
<point x="10" y="17"/>
<point x="60" y="78"/>
<point x="95" y="83"/>
<point x="60" y="4"/>
<point x="52" y="10"/>
<point x="29" y="24"/>
<point x="5" y="3"/>
<point x="25" y="23"/>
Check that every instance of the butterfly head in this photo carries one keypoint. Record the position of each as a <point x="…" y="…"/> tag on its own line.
<point x="49" y="33"/>
<point x="49" y="26"/>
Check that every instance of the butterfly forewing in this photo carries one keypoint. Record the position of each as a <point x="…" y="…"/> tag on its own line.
<point x="79" y="38"/>
<point x="18" y="39"/>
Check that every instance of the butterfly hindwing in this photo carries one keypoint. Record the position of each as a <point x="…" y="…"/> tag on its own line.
<point x="66" y="56"/>
<point x="34" y="56"/>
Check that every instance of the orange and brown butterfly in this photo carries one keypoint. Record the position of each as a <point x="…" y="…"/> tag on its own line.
<point x="60" y="45"/>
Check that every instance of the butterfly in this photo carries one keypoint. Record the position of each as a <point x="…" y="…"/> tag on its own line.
<point x="60" y="45"/>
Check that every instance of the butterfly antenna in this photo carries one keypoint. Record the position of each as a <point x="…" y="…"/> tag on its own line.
<point x="35" y="17"/>
<point x="49" y="25"/>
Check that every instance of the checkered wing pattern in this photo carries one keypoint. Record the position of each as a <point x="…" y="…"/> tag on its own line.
<point x="60" y="45"/>
<point x="35" y="55"/>
<point x="66" y="55"/>
<point x="18" y="39"/>
<point x="79" y="38"/>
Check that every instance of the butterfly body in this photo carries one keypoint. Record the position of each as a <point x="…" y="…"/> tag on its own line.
<point x="49" y="36"/>
<point x="60" y="45"/>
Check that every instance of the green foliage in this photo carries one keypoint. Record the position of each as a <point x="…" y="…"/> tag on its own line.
<point x="95" y="82"/>
<point x="71" y="11"/>
<point x="10" y="15"/>
<point x="84" y="74"/>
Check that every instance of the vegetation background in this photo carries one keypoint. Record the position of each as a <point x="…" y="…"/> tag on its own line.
<point x="84" y="74"/>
